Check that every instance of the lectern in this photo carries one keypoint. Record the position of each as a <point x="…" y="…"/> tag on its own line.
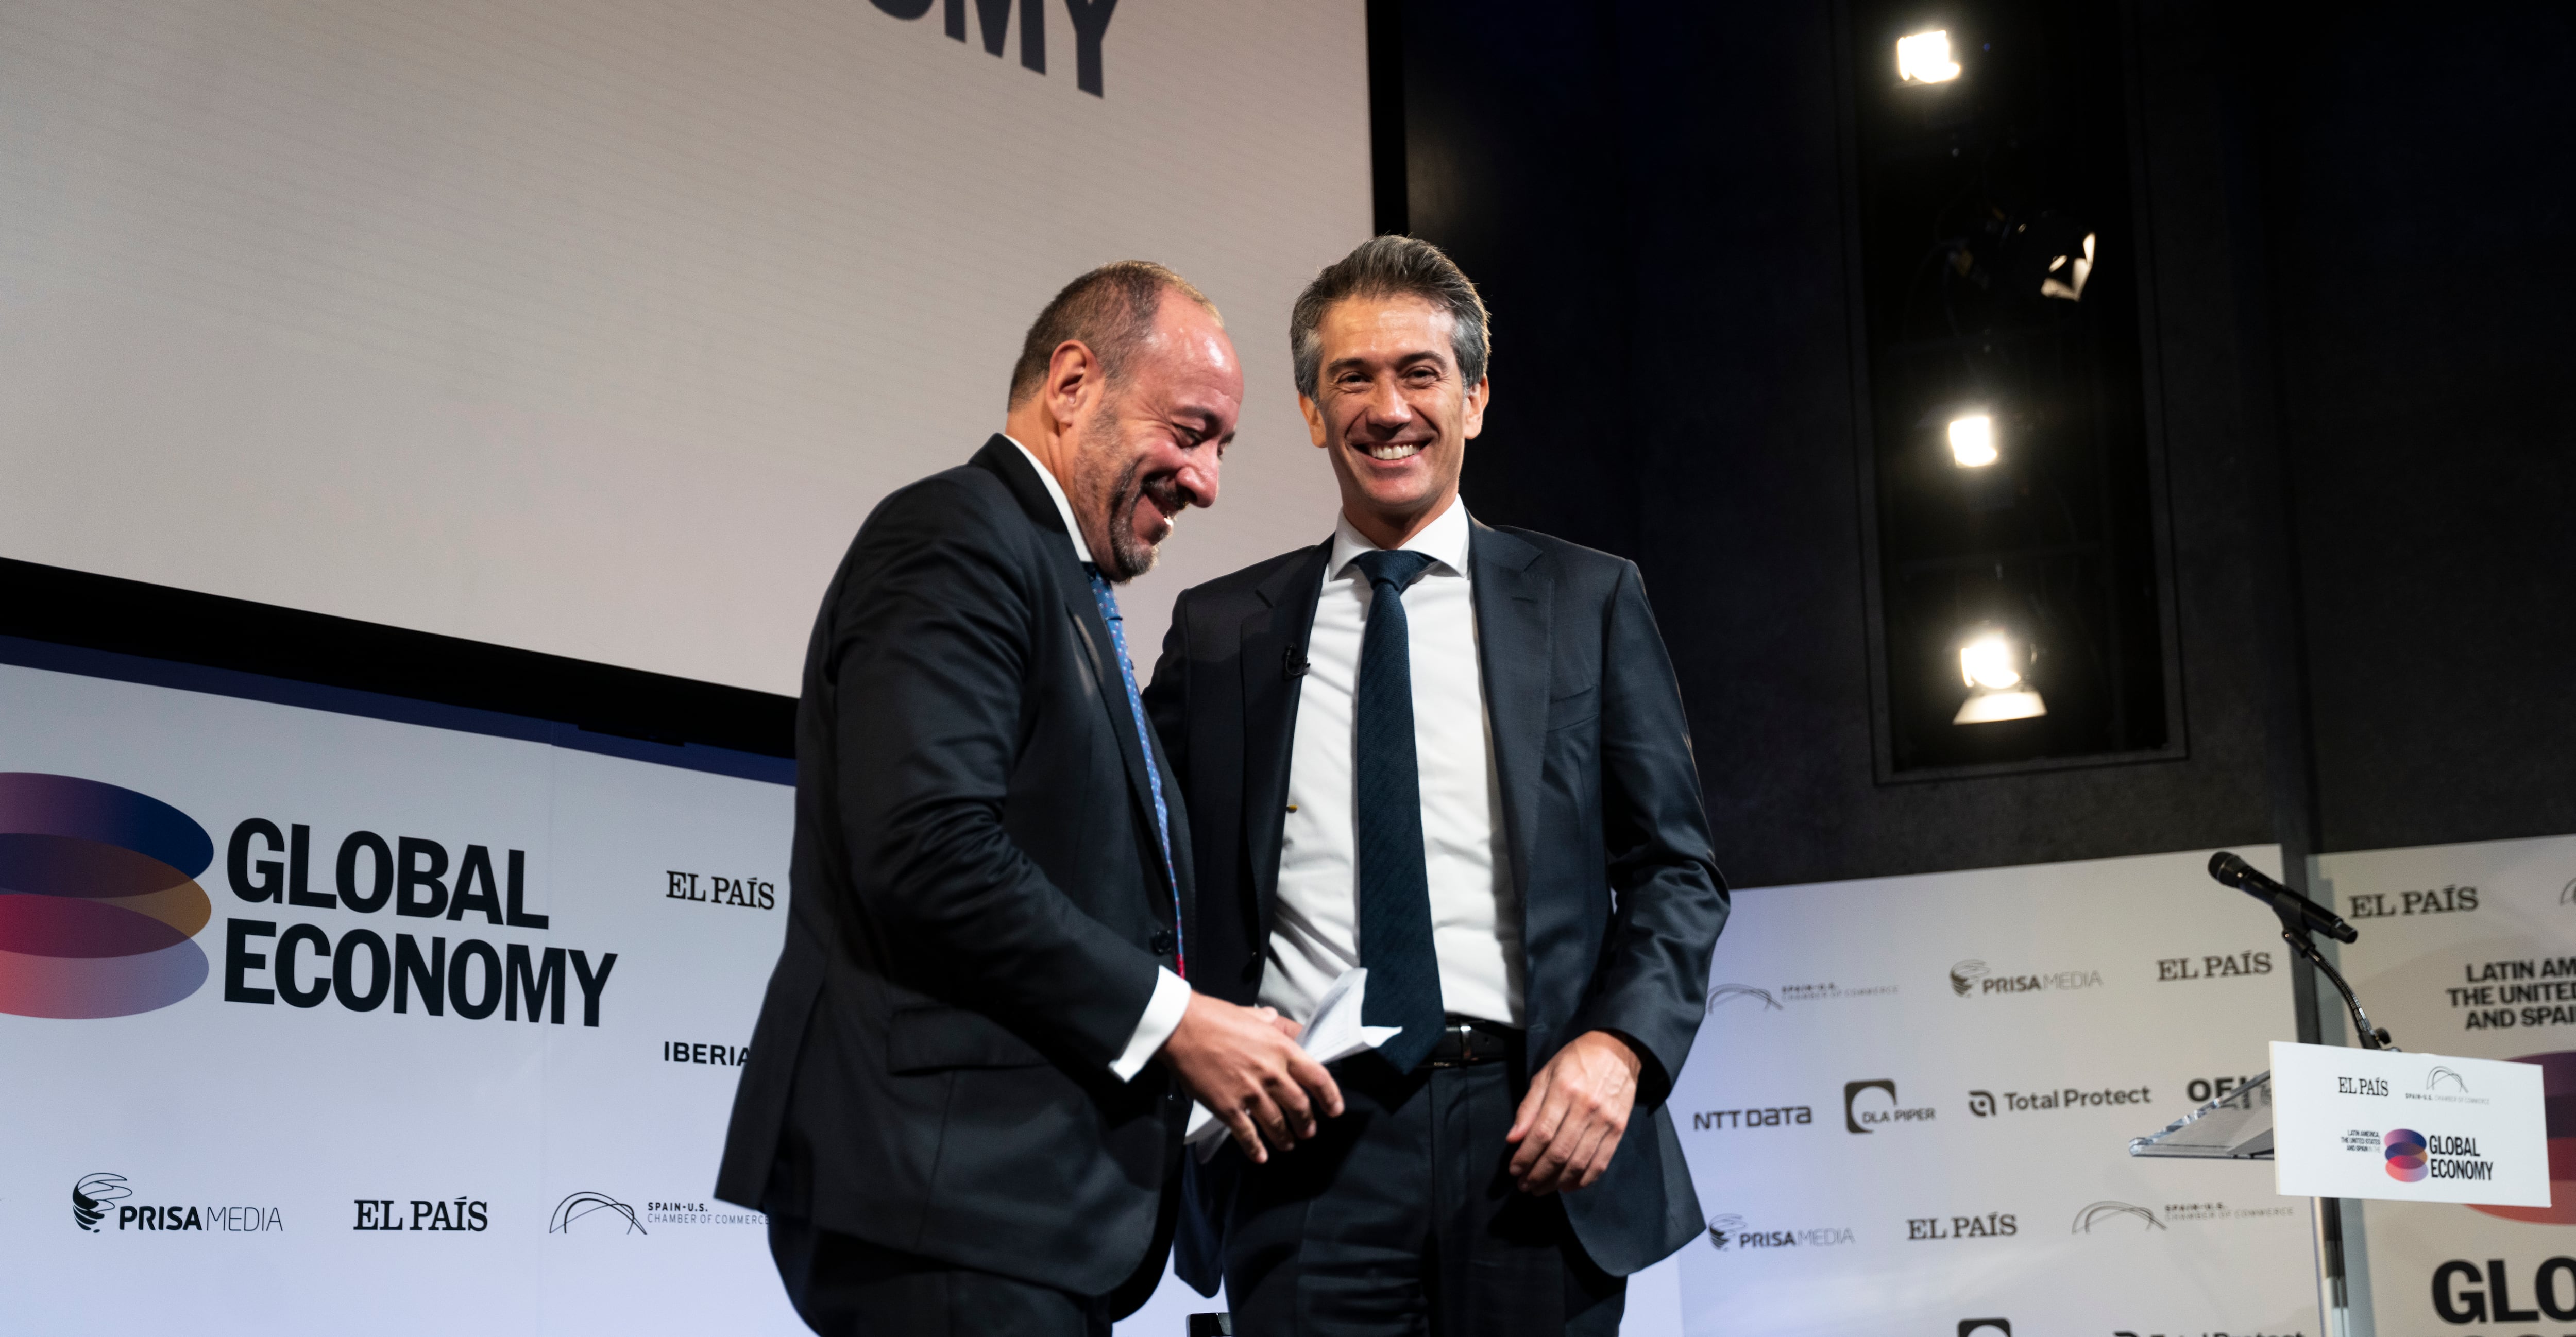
<point x="2371" y="1122"/>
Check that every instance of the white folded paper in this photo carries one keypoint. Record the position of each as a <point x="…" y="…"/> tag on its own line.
<point x="1334" y="1033"/>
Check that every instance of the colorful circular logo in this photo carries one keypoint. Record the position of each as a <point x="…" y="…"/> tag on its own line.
<point x="98" y="899"/>
<point x="2406" y="1160"/>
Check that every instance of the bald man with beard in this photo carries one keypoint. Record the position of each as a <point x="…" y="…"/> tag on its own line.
<point x="967" y="1084"/>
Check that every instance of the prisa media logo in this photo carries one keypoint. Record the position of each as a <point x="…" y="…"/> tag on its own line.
<point x="1977" y="978"/>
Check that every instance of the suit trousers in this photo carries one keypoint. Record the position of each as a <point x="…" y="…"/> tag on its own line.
<point x="1400" y="1217"/>
<point x="844" y="1286"/>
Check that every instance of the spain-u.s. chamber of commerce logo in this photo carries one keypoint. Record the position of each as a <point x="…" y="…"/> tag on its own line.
<point x="99" y="902"/>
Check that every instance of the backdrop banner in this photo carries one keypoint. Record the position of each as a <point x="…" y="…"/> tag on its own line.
<point x="1910" y="1108"/>
<point x="2471" y="950"/>
<point x="317" y="1022"/>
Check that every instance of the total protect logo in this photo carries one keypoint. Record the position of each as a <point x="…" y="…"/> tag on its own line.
<point x="99" y="903"/>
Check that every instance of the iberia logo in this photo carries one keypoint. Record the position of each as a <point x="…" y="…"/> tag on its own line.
<point x="99" y="901"/>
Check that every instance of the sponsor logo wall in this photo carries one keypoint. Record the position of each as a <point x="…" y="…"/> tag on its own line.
<point x="2467" y="950"/>
<point x="1990" y="1041"/>
<point x="329" y="1023"/>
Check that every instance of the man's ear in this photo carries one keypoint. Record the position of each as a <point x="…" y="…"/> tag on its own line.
<point x="1473" y="419"/>
<point x="1314" y="418"/>
<point x="1073" y="380"/>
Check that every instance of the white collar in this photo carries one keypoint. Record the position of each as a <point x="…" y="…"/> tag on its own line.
<point x="1063" y="506"/>
<point x="1445" y="540"/>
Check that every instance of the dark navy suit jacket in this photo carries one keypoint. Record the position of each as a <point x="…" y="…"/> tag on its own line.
<point x="978" y="904"/>
<point x="1620" y="894"/>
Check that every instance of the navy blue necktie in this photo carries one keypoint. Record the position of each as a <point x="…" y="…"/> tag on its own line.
<point x="1394" y="887"/>
<point x="1108" y="601"/>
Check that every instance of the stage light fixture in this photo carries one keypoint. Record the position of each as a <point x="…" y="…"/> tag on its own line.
<point x="1924" y="58"/>
<point x="1990" y="665"/>
<point x="1972" y="440"/>
<point x="2067" y="273"/>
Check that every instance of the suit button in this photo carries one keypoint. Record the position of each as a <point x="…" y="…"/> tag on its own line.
<point x="1161" y="944"/>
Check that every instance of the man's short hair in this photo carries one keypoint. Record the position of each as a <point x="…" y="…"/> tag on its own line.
<point x="1111" y="310"/>
<point x="1391" y="267"/>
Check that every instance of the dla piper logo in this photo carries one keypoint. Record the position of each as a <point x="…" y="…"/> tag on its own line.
<point x="1862" y="1112"/>
<point x="455" y="1214"/>
<point x="100" y="1204"/>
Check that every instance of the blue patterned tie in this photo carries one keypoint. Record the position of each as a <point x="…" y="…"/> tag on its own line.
<point x="1108" y="601"/>
<point x="1394" y="884"/>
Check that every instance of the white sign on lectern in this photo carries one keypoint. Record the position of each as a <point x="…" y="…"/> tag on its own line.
<point x="2360" y="1123"/>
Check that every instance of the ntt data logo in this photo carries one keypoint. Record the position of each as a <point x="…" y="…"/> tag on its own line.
<point x="99" y="903"/>
<point x="2406" y="1156"/>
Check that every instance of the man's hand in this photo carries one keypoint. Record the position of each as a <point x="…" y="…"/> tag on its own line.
<point x="1574" y="1114"/>
<point x="1243" y="1063"/>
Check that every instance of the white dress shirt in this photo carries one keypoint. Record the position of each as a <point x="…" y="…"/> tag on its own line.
<point x="1475" y="914"/>
<point x="1171" y="994"/>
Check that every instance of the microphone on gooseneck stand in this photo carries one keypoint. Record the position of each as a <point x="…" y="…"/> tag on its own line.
<point x="2299" y="917"/>
<point x="2231" y="869"/>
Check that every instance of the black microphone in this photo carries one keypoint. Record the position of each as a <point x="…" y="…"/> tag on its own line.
<point x="2232" y="870"/>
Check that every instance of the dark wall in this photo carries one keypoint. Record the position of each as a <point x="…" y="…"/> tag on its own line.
<point x="2366" y="482"/>
<point x="2425" y="229"/>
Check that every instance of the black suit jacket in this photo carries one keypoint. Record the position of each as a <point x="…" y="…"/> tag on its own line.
<point x="977" y="896"/>
<point x="1620" y="895"/>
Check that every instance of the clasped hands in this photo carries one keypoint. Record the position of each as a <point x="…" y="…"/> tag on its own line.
<point x="1243" y="1063"/>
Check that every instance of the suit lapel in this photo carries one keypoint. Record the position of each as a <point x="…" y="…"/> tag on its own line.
<point x="1273" y="662"/>
<point x="1091" y="630"/>
<point x="1514" y="597"/>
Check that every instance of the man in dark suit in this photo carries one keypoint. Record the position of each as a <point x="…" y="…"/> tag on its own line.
<point x="952" y="1112"/>
<point x="1454" y="755"/>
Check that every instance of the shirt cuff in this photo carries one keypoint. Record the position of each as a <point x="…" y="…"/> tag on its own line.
<point x="1162" y="1017"/>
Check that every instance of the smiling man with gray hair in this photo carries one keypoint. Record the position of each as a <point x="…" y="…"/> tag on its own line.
<point x="1455" y="755"/>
